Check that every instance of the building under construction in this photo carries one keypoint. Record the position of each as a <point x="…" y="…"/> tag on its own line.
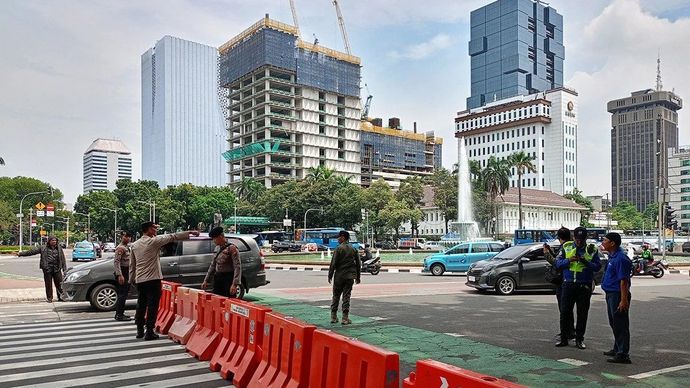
<point x="290" y="105"/>
<point x="393" y="154"/>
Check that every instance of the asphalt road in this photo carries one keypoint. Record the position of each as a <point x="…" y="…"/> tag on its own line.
<point x="422" y="316"/>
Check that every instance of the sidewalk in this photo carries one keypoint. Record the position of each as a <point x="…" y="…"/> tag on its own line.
<point x="9" y="295"/>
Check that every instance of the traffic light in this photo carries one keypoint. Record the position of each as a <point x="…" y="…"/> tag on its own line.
<point x="671" y="223"/>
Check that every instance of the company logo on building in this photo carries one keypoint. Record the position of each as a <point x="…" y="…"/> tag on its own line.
<point x="570" y="107"/>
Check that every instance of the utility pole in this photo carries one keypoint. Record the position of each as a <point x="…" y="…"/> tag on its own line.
<point x="661" y="163"/>
<point x="21" y="214"/>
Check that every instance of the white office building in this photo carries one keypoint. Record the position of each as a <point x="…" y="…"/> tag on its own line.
<point x="183" y="131"/>
<point x="105" y="162"/>
<point x="679" y="186"/>
<point x="543" y="125"/>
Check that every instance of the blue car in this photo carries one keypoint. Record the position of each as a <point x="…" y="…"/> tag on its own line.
<point x="84" y="250"/>
<point x="459" y="257"/>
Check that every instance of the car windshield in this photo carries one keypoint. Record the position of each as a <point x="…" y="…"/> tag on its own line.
<point x="84" y="245"/>
<point x="512" y="252"/>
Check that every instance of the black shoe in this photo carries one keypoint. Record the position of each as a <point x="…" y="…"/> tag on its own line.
<point x="580" y="345"/>
<point x="561" y="344"/>
<point x="610" y="353"/>
<point x="150" y="336"/>
<point x="619" y="360"/>
<point x="140" y="333"/>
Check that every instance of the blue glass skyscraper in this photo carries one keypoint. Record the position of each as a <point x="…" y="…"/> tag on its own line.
<point x="516" y="48"/>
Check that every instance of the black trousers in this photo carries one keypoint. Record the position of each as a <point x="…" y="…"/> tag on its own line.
<point x="620" y="324"/>
<point x="575" y="294"/>
<point x="147" y="304"/>
<point x="342" y="287"/>
<point x="222" y="282"/>
<point x="50" y="277"/>
<point x="122" y="291"/>
<point x="559" y="298"/>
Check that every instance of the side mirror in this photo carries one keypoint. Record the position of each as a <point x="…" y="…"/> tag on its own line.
<point x="524" y="260"/>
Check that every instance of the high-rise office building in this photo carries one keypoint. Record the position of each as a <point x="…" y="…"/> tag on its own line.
<point x="183" y="134"/>
<point x="543" y="126"/>
<point x="393" y="154"/>
<point x="679" y="184"/>
<point x="637" y="124"/>
<point x="290" y="105"/>
<point x="516" y="48"/>
<point x="105" y="162"/>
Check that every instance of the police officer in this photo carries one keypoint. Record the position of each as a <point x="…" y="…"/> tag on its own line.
<point x="225" y="268"/>
<point x="343" y="272"/>
<point x="564" y="236"/>
<point x="579" y="262"/>
<point x="121" y="266"/>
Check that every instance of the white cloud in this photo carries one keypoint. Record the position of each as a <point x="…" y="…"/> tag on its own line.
<point x="424" y="49"/>
<point x="621" y="46"/>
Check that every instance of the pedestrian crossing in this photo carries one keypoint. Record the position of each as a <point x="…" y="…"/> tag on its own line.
<point x="95" y="352"/>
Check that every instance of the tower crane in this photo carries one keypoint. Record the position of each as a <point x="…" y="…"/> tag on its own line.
<point x="367" y="104"/>
<point x="341" y="22"/>
<point x="294" y="16"/>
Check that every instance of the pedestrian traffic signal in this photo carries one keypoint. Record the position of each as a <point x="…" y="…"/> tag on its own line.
<point x="671" y="222"/>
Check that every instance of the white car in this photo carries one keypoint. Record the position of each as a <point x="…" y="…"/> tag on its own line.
<point x="433" y="246"/>
<point x="109" y="247"/>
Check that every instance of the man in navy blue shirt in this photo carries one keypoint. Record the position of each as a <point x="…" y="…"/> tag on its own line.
<point x="579" y="262"/>
<point x="616" y="284"/>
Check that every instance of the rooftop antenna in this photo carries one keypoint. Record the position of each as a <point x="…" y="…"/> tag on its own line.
<point x="659" y="85"/>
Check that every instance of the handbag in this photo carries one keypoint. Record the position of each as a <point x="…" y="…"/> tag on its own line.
<point x="553" y="275"/>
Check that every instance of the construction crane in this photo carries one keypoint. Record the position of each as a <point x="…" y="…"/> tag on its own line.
<point x="367" y="104"/>
<point x="341" y="22"/>
<point x="294" y="16"/>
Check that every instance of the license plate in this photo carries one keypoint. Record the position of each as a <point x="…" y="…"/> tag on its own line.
<point x="471" y="278"/>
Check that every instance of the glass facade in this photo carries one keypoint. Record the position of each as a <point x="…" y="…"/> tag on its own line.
<point x="516" y="48"/>
<point x="397" y="152"/>
<point x="277" y="48"/>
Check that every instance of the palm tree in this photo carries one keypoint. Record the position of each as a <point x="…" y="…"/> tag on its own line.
<point x="342" y="181"/>
<point x="320" y="173"/>
<point x="249" y="189"/>
<point x="2" y="161"/>
<point x="523" y="164"/>
<point x="496" y="179"/>
<point x="476" y="171"/>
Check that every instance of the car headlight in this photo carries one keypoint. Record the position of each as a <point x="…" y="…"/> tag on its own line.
<point x="77" y="275"/>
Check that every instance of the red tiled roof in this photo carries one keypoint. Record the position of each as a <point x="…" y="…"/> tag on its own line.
<point x="531" y="197"/>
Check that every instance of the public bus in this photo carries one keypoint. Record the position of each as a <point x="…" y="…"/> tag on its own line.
<point x="268" y="237"/>
<point x="324" y="236"/>
<point x="526" y="236"/>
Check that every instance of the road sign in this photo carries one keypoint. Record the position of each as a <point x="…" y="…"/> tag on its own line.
<point x="43" y="232"/>
<point x="40" y="206"/>
<point x="287" y="222"/>
<point x="50" y="210"/>
<point x="40" y="213"/>
<point x="33" y="222"/>
<point x="20" y="215"/>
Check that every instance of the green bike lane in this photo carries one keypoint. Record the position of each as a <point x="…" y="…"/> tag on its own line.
<point x="413" y="343"/>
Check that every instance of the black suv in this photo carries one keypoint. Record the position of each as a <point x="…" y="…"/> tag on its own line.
<point x="521" y="267"/>
<point x="285" y="246"/>
<point x="183" y="262"/>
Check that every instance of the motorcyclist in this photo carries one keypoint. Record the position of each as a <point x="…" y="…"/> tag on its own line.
<point x="365" y="253"/>
<point x="647" y="259"/>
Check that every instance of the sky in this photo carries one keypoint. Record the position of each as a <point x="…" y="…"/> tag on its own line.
<point x="70" y="70"/>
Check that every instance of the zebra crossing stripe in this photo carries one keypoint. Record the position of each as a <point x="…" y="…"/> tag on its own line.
<point x="86" y="368"/>
<point x="85" y="342"/>
<point x="71" y="330"/>
<point x="51" y="329"/>
<point x="77" y="350"/>
<point x="179" y="382"/>
<point x="54" y="323"/>
<point x="66" y="335"/>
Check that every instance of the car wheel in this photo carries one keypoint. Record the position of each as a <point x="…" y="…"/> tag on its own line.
<point x="73" y="259"/>
<point x="505" y="285"/>
<point x="103" y="297"/>
<point x="437" y="269"/>
<point x="240" y="292"/>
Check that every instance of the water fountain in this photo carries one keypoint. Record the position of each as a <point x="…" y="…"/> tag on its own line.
<point x="465" y="228"/>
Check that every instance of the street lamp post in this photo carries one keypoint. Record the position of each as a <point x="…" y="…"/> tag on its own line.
<point x="88" y="224"/>
<point x="305" y="217"/>
<point x="52" y="227"/>
<point x="65" y="220"/>
<point x="21" y="204"/>
<point x="115" y="230"/>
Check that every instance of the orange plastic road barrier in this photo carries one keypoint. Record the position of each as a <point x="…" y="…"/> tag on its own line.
<point x="209" y="328"/>
<point x="430" y="373"/>
<point x="238" y="354"/>
<point x="286" y="353"/>
<point x="187" y="314"/>
<point x="338" y="361"/>
<point x="166" y="307"/>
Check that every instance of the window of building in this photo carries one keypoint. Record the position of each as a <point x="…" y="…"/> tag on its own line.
<point x="322" y="129"/>
<point x="341" y="154"/>
<point x="322" y="96"/>
<point x="322" y="152"/>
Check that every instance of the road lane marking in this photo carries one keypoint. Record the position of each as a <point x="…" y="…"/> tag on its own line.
<point x="80" y="342"/>
<point x="52" y="329"/>
<point x="454" y="334"/>
<point x="58" y="323"/>
<point x="180" y="382"/>
<point x="89" y="357"/>
<point x="64" y="333"/>
<point x="659" y="372"/>
<point x="572" y="361"/>
<point x="87" y="368"/>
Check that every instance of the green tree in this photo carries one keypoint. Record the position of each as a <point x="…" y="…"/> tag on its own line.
<point x="445" y="187"/>
<point x="410" y="192"/>
<point x="396" y="212"/>
<point x="315" y="174"/>
<point x="651" y="215"/>
<point x="627" y="216"/>
<point x="95" y="204"/>
<point x="375" y="198"/>
<point x="576" y="195"/>
<point x="202" y="207"/>
<point x="8" y="220"/>
<point x="496" y="179"/>
<point x="346" y="208"/>
<point x="523" y="164"/>
<point x="343" y="181"/>
<point x="249" y="189"/>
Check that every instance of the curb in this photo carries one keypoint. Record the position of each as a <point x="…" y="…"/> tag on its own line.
<point x="318" y="269"/>
<point x="679" y="271"/>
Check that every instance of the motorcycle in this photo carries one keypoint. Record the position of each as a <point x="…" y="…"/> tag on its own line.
<point x="372" y="265"/>
<point x="656" y="269"/>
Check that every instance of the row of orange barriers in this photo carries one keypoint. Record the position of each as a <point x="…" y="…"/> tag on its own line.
<point x="256" y="347"/>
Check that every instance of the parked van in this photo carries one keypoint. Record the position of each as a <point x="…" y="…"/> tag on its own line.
<point x="414" y="243"/>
